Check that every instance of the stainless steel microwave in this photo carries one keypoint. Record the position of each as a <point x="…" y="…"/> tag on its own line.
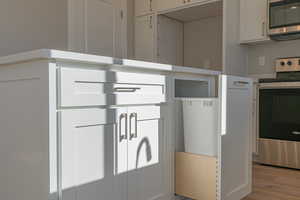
<point x="284" y="19"/>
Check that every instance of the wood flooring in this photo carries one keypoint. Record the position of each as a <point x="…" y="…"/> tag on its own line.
<point x="271" y="183"/>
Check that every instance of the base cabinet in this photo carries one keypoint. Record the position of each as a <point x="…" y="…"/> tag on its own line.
<point x="87" y="155"/>
<point x="112" y="153"/>
<point x="90" y="151"/>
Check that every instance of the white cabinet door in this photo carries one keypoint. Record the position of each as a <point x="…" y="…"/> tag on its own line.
<point x="255" y="118"/>
<point x="87" y="137"/>
<point x="144" y="38"/>
<point x="121" y="142"/>
<point x="145" y="169"/>
<point x="236" y="148"/>
<point x="253" y="21"/>
<point x="97" y="27"/>
<point x="144" y="7"/>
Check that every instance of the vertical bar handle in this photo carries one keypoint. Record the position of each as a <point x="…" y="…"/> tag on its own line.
<point x="133" y="134"/>
<point x="123" y="133"/>
<point x="263" y="28"/>
<point x="151" y="6"/>
<point x="150" y="22"/>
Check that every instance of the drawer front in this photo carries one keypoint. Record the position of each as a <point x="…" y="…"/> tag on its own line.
<point x="145" y="112"/>
<point x="98" y="87"/>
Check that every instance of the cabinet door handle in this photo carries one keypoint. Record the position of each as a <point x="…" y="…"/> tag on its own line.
<point x="123" y="133"/>
<point x="240" y="83"/>
<point x="150" y="2"/>
<point x="263" y="28"/>
<point x="150" y="22"/>
<point x="126" y="89"/>
<point x="183" y="1"/>
<point x="131" y="133"/>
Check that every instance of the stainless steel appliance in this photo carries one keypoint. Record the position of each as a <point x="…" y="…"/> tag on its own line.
<point x="284" y="19"/>
<point x="279" y="116"/>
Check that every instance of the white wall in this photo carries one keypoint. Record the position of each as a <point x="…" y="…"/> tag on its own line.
<point x="32" y="24"/>
<point x="270" y="51"/>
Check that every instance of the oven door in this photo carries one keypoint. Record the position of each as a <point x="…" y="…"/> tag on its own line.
<point x="279" y="113"/>
<point x="284" y="16"/>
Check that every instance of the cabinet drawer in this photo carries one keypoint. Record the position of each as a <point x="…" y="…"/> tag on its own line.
<point x="145" y="112"/>
<point x="98" y="87"/>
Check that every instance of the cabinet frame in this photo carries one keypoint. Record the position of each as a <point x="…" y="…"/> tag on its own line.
<point x="246" y="22"/>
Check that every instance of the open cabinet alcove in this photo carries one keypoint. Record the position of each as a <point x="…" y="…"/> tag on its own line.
<point x="196" y="175"/>
<point x="216" y="110"/>
<point x="192" y="36"/>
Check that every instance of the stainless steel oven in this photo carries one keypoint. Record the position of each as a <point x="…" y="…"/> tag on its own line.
<point x="279" y="116"/>
<point x="279" y="108"/>
<point x="284" y="19"/>
<point x="279" y="124"/>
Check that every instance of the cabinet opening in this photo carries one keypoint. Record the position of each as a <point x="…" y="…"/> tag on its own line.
<point x="192" y="36"/>
<point x="189" y="88"/>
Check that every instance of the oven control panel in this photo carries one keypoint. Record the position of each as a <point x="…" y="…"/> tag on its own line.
<point x="288" y="64"/>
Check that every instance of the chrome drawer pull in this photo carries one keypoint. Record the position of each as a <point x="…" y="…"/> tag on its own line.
<point x="126" y="89"/>
<point x="131" y="133"/>
<point x="241" y="83"/>
<point x="121" y="135"/>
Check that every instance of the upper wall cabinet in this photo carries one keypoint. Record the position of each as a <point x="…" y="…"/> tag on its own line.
<point x="97" y="27"/>
<point x="165" y="5"/>
<point x="253" y="21"/>
<point x="145" y="38"/>
<point x="169" y="4"/>
<point x="144" y="7"/>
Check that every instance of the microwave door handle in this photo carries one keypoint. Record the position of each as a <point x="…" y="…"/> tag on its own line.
<point x="296" y="132"/>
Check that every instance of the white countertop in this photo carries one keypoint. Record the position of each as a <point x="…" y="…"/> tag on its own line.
<point x="103" y="60"/>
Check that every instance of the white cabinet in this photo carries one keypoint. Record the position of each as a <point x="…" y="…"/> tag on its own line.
<point x="145" y="153"/>
<point x="97" y="27"/>
<point x="173" y="4"/>
<point x="138" y="151"/>
<point x="255" y="116"/>
<point x="145" y="38"/>
<point x="169" y="4"/>
<point x="89" y="87"/>
<point x="110" y="153"/>
<point x="144" y="132"/>
<point x="87" y="155"/>
<point x="236" y="148"/>
<point x="144" y="7"/>
<point x="253" y="21"/>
